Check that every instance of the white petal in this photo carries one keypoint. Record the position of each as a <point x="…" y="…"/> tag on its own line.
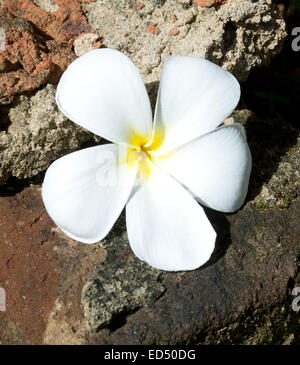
<point x="215" y="167"/>
<point x="103" y="92"/>
<point x="166" y="227"/>
<point x="195" y="96"/>
<point x="84" y="192"/>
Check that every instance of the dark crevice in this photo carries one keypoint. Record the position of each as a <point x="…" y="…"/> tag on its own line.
<point x="272" y="94"/>
<point x="14" y="185"/>
<point x="230" y="37"/>
<point x="222" y="227"/>
<point x="4" y="118"/>
<point x="120" y="319"/>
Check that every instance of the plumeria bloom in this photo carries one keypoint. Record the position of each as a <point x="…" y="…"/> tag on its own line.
<point x="163" y="166"/>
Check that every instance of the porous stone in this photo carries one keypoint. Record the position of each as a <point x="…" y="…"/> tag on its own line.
<point x="86" y="43"/>
<point x="120" y="287"/>
<point x="38" y="44"/>
<point x="275" y="148"/>
<point x="62" y="25"/>
<point x="207" y="3"/>
<point x="237" y="35"/>
<point x="35" y="134"/>
<point x="24" y="64"/>
<point x="42" y="38"/>
<point x="279" y="192"/>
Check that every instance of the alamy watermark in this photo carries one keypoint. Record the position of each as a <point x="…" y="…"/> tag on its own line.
<point x="2" y="40"/>
<point x="296" y="41"/>
<point x="296" y="301"/>
<point x="112" y="166"/>
<point x="2" y="300"/>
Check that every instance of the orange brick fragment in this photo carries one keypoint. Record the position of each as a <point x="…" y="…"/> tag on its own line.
<point x="174" y="31"/>
<point x="153" y="29"/>
<point x="207" y="3"/>
<point x="138" y="5"/>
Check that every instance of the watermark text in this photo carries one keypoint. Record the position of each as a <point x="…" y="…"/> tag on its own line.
<point x="296" y="301"/>
<point x="2" y="300"/>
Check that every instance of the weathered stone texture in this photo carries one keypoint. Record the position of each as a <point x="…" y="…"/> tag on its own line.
<point x="237" y="35"/>
<point x="36" y="133"/>
<point x="41" y="43"/>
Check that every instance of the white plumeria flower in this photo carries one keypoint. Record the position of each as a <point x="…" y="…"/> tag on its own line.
<point x="181" y="156"/>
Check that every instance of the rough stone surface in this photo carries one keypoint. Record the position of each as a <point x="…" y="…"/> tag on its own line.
<point x="36" y="133"/>
<point x="120" y="287"/>
<point x="42" y="272"/>
<point x="63" y="292"/>
<point x="24" y="64"/>
<point x="42" y="39"/>
<point x="39" y="43"/>
<point x="237" y="35"/>
<point x="207" y="3"/>
<point x="63" y="25"/>
<point x="278" y="192"/>
<point x="86" y="43"/>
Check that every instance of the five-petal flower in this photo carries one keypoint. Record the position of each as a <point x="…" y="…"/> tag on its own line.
<point x="162" y="167"/>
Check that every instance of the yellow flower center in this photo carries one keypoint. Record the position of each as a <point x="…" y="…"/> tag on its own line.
<point x="140" y="152"/>
<point x="140" y="155"/>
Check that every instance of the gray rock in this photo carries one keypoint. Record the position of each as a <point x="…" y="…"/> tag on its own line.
<point x="238" y="35"/>
<point x="36" y="133"/>
<point x="121" y="286"/>
<point x="85" y="43"/>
